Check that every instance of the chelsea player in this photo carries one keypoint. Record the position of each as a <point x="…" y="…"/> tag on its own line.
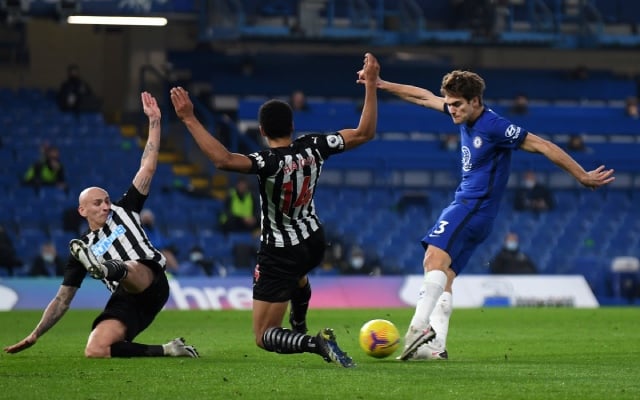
<point x="487" y="142"/>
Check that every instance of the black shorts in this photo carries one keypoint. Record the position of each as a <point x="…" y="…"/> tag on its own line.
<point x="280" y="268"/>
<point x="137" y="310"/>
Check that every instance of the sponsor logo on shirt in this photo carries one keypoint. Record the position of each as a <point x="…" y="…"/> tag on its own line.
<point x="512" y="132"/>
<point x="466" y="159"/>
<point x="100" y="248"/>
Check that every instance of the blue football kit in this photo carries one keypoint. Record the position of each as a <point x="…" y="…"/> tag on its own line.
<point x="486" y="148"/>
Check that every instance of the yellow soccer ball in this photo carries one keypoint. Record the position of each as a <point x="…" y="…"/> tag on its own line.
<point x="379" y="338"/>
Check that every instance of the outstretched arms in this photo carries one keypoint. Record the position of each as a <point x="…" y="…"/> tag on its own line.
<point x="222" y="158"/>
<point x="51" y="315"/>
<point x="591" y="179"/>
<point x="149" y="160"/>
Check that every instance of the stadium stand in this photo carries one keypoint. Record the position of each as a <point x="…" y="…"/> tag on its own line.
<point x="362" y="192"/>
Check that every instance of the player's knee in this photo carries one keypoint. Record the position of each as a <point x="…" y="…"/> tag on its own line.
<point x="97" y="352"/>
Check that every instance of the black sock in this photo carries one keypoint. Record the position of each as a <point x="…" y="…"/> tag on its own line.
<point x="299" y="307"/>
<point x="285" y="341"/>
<point x="116" y="270"/>
<point x="130" y="349"/>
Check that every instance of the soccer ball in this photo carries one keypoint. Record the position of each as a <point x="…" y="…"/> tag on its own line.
<point x="379" y="338"/>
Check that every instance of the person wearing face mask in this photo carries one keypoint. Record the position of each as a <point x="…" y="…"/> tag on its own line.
<point x="511" y="260"/>
<point x="199" y="265"/>
<point x="358" y="264"/>
<point x="533" y="195"/>
<point x="48" y="263"/>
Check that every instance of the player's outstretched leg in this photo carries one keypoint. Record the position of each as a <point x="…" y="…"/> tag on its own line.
<point x="285" y="341"/>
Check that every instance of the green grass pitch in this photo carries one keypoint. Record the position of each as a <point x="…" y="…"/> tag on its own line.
<point x="495" y="353"/>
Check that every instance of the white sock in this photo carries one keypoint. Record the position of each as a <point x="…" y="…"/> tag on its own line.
<point x="432" y="288"/>
<point x="439" y="321"/>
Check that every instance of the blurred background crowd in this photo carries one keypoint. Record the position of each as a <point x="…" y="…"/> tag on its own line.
<point x="563" y="69"/>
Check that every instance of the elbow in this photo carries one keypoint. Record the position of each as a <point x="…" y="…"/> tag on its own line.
<point x="148" y="168"/>
<point x="368" y="133"/>
<point x="223" y="163"/>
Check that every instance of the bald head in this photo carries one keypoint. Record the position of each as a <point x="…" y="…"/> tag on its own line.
<point x="94" y="204"/>
<point x="91" y="193"/>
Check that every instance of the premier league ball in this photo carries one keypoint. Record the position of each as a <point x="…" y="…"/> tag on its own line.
<point x="379" y="338"/>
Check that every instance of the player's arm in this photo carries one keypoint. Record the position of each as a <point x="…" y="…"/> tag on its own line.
<point x="591" y="179"/>
<point x="413" y="94"/>
<point x="366" y="129"/>
<point x="149" y="160"/>
<point x="410" y="93"/>
<point x="51" y="315"/>
<point x="222" y="158"/>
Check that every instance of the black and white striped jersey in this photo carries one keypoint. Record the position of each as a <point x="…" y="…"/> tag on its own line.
<point x="122" y="237"/>
<point x="288" y="177"/>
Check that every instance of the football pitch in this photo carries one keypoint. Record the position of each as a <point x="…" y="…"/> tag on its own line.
<point x="495" y="353"/>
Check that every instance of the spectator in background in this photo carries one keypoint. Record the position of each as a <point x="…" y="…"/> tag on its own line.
<point x="240" y="209"/>
<point x="48" y="263"/>
<point x="75" y="94"/>
<point x="198" y="265"/>
<point x="511" y="260"/>
<point x="148" y="222"/>
<point x="450" y="142"/>
<point x="333" y="261"/>
<point x="520" y="105"/>
<point x="48" y="171"/>
<point x="576" y="144"/>
<point x="533" y="195"/>
<point x="8" y="257"/>
<point x="359" y="264"/>
<point x="631" y="108"/>
<point x="298" y="101"/>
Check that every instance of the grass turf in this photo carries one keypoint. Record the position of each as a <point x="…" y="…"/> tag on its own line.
<point x="495" y="353"/>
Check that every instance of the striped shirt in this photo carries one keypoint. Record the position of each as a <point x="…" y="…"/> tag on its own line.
<point x="122" y="237"/>
<point x="288" y="177"/>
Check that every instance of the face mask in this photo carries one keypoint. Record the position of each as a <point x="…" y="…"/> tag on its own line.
<point x="357" y="262"/>
<point x="48" y="257"/>
<point x="511" y="245"/>
<point x="195" y="257"/>
<point x="529" y="184"/>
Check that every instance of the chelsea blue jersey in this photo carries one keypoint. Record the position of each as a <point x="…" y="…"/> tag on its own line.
<point x="486" y="147"/>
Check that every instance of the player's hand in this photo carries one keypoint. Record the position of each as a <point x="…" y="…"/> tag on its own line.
<point x="21" y="345"/>
<point x="370" y="71"/>
<point x="598" y="177"/>
<point x="181" y="103"/>
<point x="150" y="106"/>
